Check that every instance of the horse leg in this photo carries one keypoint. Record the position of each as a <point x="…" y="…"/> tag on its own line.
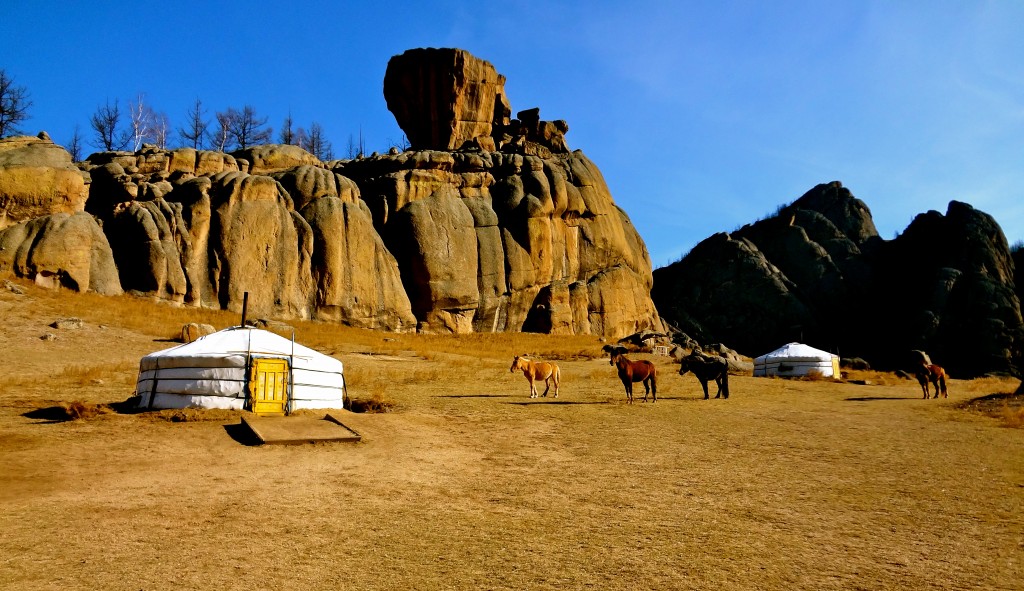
<point x="725" y="384"/>
<point x="647" y="387"/>
<point x="718" y="382"/>
<point x="533" y="388"/>
<point x="704" y="384"/>
<point x="654" y="388"/>
<point x="628" y="383"/>
<point x="546" y="387"/>
<point x="554" y="377"/>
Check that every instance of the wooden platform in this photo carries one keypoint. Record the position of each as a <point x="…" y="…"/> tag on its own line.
<point x="297" y="430"/>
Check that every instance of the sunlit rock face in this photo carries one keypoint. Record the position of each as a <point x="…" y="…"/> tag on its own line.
<point x="37" y="178"/>
<point x="491" y="224"/>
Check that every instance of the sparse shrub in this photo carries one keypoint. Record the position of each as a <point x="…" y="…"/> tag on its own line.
<point x="1012" y="416"/>
<point x="375" y="404"/>
<point x="83" y="410"/>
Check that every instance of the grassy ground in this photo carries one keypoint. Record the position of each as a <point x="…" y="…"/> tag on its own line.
<point x="467" y="483"/>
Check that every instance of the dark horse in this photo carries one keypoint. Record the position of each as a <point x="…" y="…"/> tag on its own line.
<point x="707" y="368"/>
<point x="931" y="373"/>
<point x="634" y="371"/>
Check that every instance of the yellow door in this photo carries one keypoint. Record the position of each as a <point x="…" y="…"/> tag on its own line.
<point x="268" y="386"/>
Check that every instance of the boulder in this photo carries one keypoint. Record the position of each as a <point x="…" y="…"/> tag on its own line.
<point x="269" y="158"/>
<point x="37" y="178"/>
<point x="194" y="330"/>
<point x="443" y="98"/>
<point x="60" y="250"/>
<point x="67" y="323"/>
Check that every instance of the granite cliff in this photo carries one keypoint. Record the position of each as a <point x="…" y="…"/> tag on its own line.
<point x="488" y="222"/>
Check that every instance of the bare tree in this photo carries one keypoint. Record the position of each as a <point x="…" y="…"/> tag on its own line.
<point x="140" y="117"/>
<point x="74" y="146"/>
<point x="287" y="135"/>
<point x="105" y="122"/>
<point x="197" y="128"/>
<point x="401" y="145"/>
<point x="222" y="139"/>
<point x="161" y="130"/>
<point x="301" y="137"/>
<point x="14" y="104"/>
<point x="356" y="149"/>
<point x="247" y="129"/>
<point x="317" y="144"/>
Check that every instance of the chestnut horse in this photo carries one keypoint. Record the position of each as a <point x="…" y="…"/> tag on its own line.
<point x="932" y="373"/>
<point x="707" y="368"/>
<point x="537" y="370"/>
<point x="635" y="371"/>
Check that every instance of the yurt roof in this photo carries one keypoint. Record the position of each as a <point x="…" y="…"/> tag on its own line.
<point x="796" y="352"/>
<point x="244" y="341"/>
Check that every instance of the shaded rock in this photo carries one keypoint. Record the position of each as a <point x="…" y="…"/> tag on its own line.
<point x="854" y="363"/>
<point x="149" y="242"/>
<point x="726" y="290"/>
<point x="817" y="271"/>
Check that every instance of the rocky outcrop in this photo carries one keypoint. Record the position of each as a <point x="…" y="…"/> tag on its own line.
<point x="446" y="99"/>
<point x="37" y="178"/>
<point x="60" y="250"/>
<point x="270" y="158"/>
<point x="818" y="272"/>
<point x="493" y="225"/>
<point x="298" y="240"/>
<point x="493" y="241"/>
<point x="443" y="98"/>
<point x="948" y="282"/>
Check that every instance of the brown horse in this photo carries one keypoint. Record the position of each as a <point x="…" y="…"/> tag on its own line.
<point x="635" y="371"/>
<point x="537" y="370"/>
<point x="707" y="368"/>
<point x="931" y="373"/>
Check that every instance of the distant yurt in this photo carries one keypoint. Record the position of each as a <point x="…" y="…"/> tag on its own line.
<point x="795" y="360"/>
<point x="241" y="368"/>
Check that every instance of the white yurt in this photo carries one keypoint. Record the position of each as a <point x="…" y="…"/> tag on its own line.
<point x="241" y="368"/>
<point x="795" y="360"/>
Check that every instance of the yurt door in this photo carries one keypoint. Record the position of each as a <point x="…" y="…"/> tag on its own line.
<point x="268" y="386"/>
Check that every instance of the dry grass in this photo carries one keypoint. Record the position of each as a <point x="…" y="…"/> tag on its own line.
<point x="467" y="483"/>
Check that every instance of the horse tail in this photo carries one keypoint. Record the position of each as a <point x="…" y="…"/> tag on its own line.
<point x="725" y="382"/>
<point x="942" y="384"/>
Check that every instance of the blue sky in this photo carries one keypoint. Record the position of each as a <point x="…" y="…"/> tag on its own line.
<point x="702" y="116"/>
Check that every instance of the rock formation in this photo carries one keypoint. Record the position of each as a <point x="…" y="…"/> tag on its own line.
<point x="817" y="271"/>
<point x="37" y="178"/>
<point x="489" y="224"/>
<point x="60" y="250"/>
